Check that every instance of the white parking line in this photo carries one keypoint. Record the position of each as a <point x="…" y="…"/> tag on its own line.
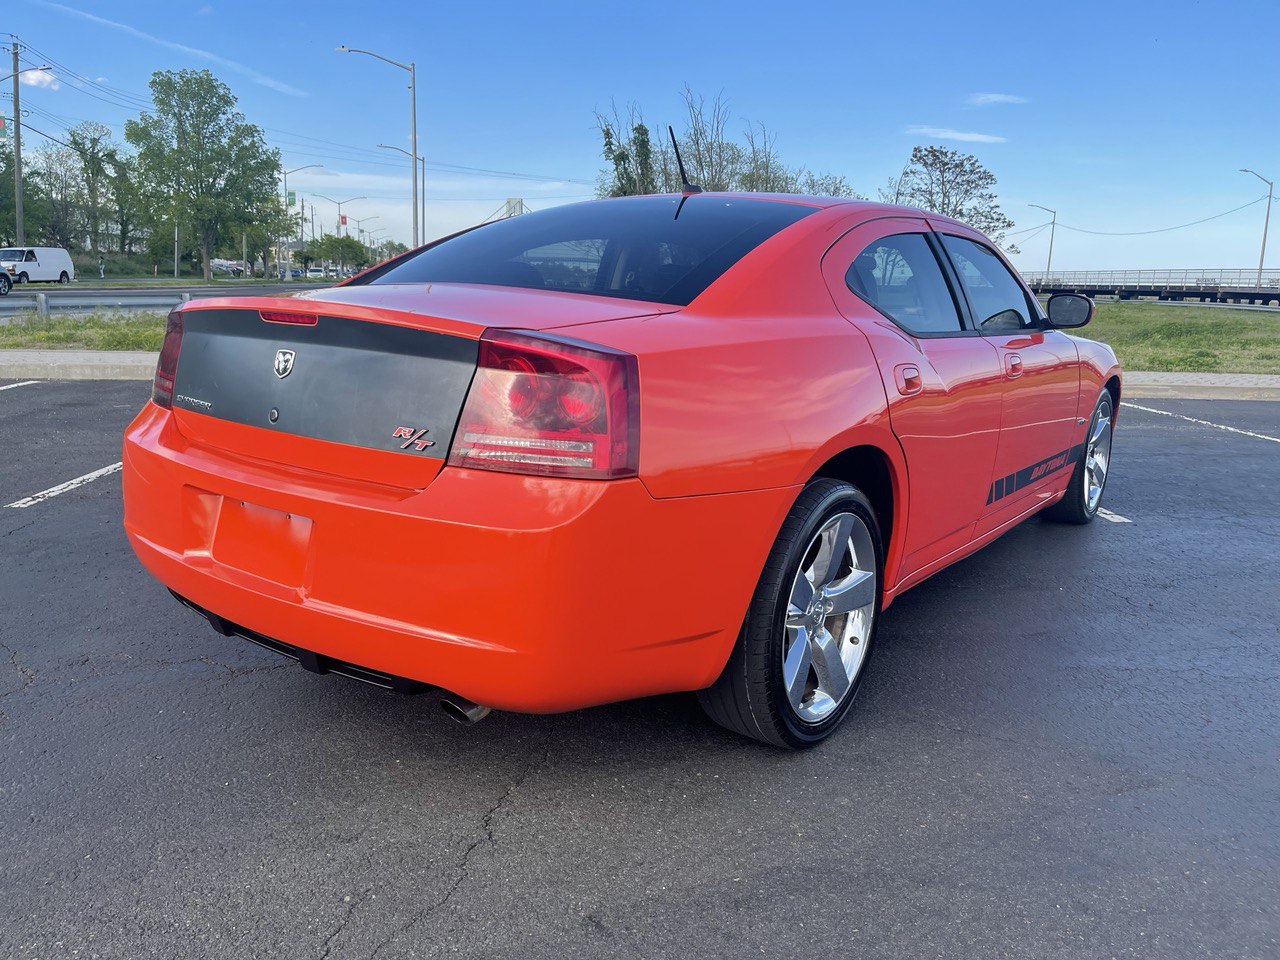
<point x="1106" y="514"/>
<point x="1203" y="423"/>
<point x="64" y="487"/>
<point x="24" y="383"/>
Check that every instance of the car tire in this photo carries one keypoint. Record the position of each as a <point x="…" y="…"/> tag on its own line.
<point x="5" y="284"/>
<point x="783" y="684"/>
<point x="1081" y="502"/>
<point x="22" y="278"/>
<point x="63" y="278"/>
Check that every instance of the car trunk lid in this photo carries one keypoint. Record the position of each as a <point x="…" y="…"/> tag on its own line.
<point x="362" y="382"/>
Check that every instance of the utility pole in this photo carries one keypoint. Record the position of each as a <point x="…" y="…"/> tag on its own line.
<point x="175" y="248"/>
<point x="1053" y="228"/>
<point x="1266" y="220"/>
<point x="17" y="149"/>
<point x="244" y="253"/>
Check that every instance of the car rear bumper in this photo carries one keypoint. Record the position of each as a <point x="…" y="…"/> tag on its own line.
<point x="521" y="593"/>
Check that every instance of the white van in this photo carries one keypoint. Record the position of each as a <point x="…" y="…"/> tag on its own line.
<point x="35" y="265"/>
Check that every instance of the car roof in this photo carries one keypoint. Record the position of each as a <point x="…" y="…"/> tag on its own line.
<point x="871" y="208"/>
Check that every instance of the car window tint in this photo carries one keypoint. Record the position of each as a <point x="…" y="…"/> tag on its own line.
<point x="900" y="276"/>
<point x="633" y="247"/>
<point x="995" y="296"/>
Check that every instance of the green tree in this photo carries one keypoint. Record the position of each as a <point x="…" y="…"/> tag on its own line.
<point x="61" y="224"/>
<point x="128" y="208"/>
<point x="955" y="185"/>
<point x="199" y="158"/>
<point x="713" y="157"/>
<point x="95" y="152"/>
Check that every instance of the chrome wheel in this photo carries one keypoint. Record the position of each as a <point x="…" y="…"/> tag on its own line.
<point x="1097" y="456"/>
<point x="829" y="617"/>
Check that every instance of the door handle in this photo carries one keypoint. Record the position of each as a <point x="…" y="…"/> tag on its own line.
<point x="908" y="379"/>
<point x="1012" y="365"/>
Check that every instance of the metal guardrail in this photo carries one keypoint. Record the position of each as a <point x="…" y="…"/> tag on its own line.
<point x="43" y="304"/>
<point x="1194" y="278"/>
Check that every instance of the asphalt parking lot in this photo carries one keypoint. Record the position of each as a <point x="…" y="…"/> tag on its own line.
<point x="1068" y="745"/>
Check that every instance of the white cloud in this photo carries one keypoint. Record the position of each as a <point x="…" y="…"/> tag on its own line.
<point x="946" y="133"/>
<point x="986" y="99"/>
<point x="41" y="79"/>
<point x="243" y="69"/>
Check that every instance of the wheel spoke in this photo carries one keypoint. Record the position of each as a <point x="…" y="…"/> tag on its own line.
<point x="835" y="543"/>
<point x="801" y="592"/>
<point x="795" y="669"/>
<point x="852" y="593"/>
<point x="1099" y="428"/>
<point x="796" y="617"/>
<point x="833" y="678"/>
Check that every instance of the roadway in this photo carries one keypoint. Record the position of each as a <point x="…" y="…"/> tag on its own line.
<point x="1065" y="747"/>
<point x="136" y="295"/>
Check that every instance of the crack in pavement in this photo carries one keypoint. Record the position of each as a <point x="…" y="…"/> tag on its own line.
<point x="28" y="675"/>
<point x="464" y="862"/>
<point x="352" y="904"/>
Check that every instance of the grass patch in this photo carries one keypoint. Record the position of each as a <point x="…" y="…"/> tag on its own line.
<point x="1145" y="336"/>
<point x="1167" y="337"/>
<point x="94" y="331"/>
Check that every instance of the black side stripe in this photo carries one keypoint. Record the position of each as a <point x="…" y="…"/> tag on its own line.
<point x="1037" y="471"/>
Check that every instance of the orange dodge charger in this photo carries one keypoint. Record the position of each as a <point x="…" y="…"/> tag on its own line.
<point x="614" y="449"/>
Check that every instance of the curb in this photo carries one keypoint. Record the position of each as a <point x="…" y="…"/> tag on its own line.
<point x="1155" y="391"/>
<point x="78" y="364"/>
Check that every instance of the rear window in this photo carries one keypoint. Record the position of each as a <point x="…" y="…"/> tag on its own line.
<point x="635" y="247"/>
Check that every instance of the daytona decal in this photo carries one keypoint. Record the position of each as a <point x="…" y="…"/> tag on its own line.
<point x="1037" y="471"/>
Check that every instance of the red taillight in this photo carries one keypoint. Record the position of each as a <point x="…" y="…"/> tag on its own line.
<point x="167" y="367"/>
<point x="285" y="316"/>
<point x="552" y="406"/>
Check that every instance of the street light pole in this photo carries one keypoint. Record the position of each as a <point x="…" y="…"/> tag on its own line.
<point x="412" y="68"/>
<point x="1266" y="220"/>
<point x="20" y="228"/>
<point x="1053" y="228"/>
<point x="288" y="267"/>
<point x="422" y="163"/>
<point x="340" y="203"/>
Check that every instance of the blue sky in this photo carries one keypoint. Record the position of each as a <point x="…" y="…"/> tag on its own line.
<point x="1120" y="120"/>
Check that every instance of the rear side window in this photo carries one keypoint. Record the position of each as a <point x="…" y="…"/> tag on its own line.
<point x="996" y="298"/>
<point x="633" y="247"/>
<point x="901" y="277"/>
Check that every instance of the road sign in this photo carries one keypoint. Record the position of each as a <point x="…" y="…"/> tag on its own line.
<point x="4" y="128"/>
<point x="344" y="219"/>
<point x="292" y="197"/>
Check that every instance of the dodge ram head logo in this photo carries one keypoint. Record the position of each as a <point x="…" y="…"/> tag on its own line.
<point x="284" y="363"/>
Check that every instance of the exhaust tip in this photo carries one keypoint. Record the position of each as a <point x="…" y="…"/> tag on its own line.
<point x="462" y="710"/>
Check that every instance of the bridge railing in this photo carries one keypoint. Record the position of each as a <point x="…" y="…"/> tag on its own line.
<point x="1193" y="278"/>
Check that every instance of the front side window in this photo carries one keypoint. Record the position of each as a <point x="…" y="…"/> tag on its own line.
<point x="996" y="298"/>
<point x="31" y="256"/>
<point x="664" y="249"/>
<point x="900" y="276"/>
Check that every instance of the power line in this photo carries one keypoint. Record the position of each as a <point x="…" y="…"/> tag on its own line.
<point x="1181" y="226"/>
<point x="1015" y="233"/>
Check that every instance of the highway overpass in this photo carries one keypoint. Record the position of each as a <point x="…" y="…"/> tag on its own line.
<point x="1206" y="285"/>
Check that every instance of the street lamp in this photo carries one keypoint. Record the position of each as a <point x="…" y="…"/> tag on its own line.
<point x="1053" y="228"/>
<point x="1266" y="220"/>
<point x="27" y="70"/>
<point x="422" y="202"/>
<point x="413" y="120"/>
<point x="288" y="267"/>
<point x="340" y="203"/>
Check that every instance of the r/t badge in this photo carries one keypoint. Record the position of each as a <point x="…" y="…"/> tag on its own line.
<point x="413" y="437"/>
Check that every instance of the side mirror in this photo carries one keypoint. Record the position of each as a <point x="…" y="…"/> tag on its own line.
<point x="1069" y="310"/>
